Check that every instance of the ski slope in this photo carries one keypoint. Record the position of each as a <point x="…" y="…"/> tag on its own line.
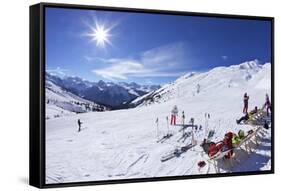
<point x="122" y="144"/>
<point x="60" y="102"/>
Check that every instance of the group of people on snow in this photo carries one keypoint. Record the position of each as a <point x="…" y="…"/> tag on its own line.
<point x="175" y="111"/>
<point x="230" y="139"/>
<point x="266" y="105"/>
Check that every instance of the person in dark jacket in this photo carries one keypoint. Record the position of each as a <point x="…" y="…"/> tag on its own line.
<point x="267" y="105"/>
<point x="246" y="103"/>
<point x="246" y="116"/>
<point x="79" y="125"/>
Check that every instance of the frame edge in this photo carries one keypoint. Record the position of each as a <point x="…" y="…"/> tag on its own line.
<point x="35" y="164"/>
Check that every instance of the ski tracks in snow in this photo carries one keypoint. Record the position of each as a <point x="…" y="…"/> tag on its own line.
<point x="129" y="170"/>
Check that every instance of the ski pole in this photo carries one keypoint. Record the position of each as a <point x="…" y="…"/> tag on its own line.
<point x="206" y="128"/>
<point x="157" y="125"/>
<point x="167" y="124"/>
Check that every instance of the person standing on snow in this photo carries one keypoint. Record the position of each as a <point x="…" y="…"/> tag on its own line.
<point x="79" y="125"/>
<point x="267" y="104"/>
<point x="174" y="113"/>
<point x="246" y="103"/>
<point x="198" y="88"/>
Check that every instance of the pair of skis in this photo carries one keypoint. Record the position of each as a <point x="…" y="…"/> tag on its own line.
<point x="186" y="126"/>
<point x="177" y="152"/>
<point x="164" y="138"/>
<point x="184" y="137"/>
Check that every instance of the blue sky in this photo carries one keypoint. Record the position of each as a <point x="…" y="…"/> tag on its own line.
<point x="149" y="48"/>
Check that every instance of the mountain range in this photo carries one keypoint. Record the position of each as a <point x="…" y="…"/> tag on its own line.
<point x="110" y="94"/>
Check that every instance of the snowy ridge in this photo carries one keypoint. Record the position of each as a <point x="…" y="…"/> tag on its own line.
<point x="236" y="76"/>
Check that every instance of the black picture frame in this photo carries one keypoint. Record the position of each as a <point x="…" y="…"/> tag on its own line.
<point x="37" y="94"/>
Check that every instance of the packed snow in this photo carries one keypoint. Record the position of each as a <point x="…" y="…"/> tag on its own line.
<point x="122" y="144"/>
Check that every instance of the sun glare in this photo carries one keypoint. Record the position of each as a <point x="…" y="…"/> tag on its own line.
<point x="100" y="34"/>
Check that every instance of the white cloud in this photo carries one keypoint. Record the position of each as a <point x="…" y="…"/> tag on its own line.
<point x="162" y="61"/>
<point x="224" y="57"/>
<point x="57" y="71"/>
<point x="166" y="53"/>
<point x="120" y="69"/>
<point x="88" y="58"/>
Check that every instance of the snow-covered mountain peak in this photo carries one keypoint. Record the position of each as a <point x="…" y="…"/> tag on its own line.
<point x="186" y="76"/>
<point x="101" y="83"/>
<point x="267" y="65"/>
<point x="250" y="65"/>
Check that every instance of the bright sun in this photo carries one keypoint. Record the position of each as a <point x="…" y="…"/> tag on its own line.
<point x="100" y="34"/>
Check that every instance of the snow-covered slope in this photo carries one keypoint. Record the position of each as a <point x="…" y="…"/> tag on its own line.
<point x="123" y="143"/>
<point x="60" y="102"/>
<point x="234" y="77"/>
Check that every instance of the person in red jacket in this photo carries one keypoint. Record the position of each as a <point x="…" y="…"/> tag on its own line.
<point x="246" y="103"/>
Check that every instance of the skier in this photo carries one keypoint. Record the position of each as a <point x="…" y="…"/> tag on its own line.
<point x="174" y="113"/>
<point x="246" y="101"/>
<point x="198" y="88"/>
<point x="79" y="125"/>
<point x="267" y="104"/>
